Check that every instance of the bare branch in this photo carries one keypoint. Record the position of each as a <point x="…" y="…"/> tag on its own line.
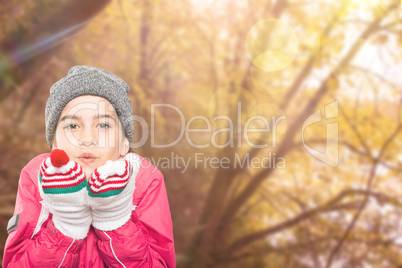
<point x="234" y="206"/>
<point x="309" y="65"/>
<point x="363" y="205"/>
<point x="332" y="205"/>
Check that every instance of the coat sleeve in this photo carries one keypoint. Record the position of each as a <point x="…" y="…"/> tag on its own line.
<point x="48" y="247"/>
<point x="146" y="240"/>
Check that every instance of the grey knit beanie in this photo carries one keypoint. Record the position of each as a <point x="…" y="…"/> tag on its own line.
<point x="87" y="80"/>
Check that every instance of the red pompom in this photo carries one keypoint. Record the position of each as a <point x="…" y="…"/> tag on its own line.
<point x="59" y="158"/>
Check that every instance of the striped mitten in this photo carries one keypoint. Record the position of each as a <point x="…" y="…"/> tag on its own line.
<point x="62" y="186"/>
<point x="110" y="189"/>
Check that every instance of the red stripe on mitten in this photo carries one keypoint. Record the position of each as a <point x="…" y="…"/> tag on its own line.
<point x="110" y="189"/>
<point x="62" y="186"/>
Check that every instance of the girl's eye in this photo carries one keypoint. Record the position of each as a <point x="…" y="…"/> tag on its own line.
<point x="71" y="126"/>
<point x="103" y="125"/>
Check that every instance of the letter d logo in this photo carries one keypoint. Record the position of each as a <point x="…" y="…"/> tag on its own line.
<point x="330" y="155"/>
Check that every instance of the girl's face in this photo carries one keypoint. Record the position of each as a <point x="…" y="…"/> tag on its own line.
<point x="89" y="131"/>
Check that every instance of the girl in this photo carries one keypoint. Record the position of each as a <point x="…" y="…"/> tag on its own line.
<point x="90" y="203"/>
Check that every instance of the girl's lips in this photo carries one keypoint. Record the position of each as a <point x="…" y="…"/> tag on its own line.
<point x="87" y="161"/>
<point x="87" y="158"/>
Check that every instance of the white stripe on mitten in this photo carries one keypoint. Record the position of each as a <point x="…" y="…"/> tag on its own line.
<point x="62" y="186"/>
<point x="110" y="189"/>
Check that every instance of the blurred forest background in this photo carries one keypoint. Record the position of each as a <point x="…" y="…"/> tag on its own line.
<point x="327" y="68"/>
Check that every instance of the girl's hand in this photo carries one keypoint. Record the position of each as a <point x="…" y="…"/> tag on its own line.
<point x="110" y="190"/>
<point x="62" y="186"/>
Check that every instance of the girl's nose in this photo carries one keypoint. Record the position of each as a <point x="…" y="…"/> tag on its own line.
<point x="88" y="138"/>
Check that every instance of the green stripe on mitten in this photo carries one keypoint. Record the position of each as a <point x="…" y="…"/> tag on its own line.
<point x="62" y="186"/>
<point x="110" y="189"/>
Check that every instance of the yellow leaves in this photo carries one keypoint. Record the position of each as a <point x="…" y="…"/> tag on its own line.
<point x="227" y="101"/>
<point x="332" y="83"/>
<point x="319" y="62"/>
<point x="194" y="63"/>
<point x="272" y="83"/>
<point x="192" y="93"/>
<point x="376" y="8"/>
<point x="380" y="39"/>
<point x="400" y="114"/>
<point x="271" y="45"/>
<point x="271" y="61"/>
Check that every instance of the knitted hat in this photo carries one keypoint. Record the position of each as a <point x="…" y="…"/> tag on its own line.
<point x="87" y="80"/>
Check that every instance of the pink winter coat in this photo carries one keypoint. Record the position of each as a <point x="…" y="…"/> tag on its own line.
<point x="144" y="241"/>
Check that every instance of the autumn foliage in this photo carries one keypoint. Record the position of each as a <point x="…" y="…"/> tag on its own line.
<point x="277" y="124"/>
